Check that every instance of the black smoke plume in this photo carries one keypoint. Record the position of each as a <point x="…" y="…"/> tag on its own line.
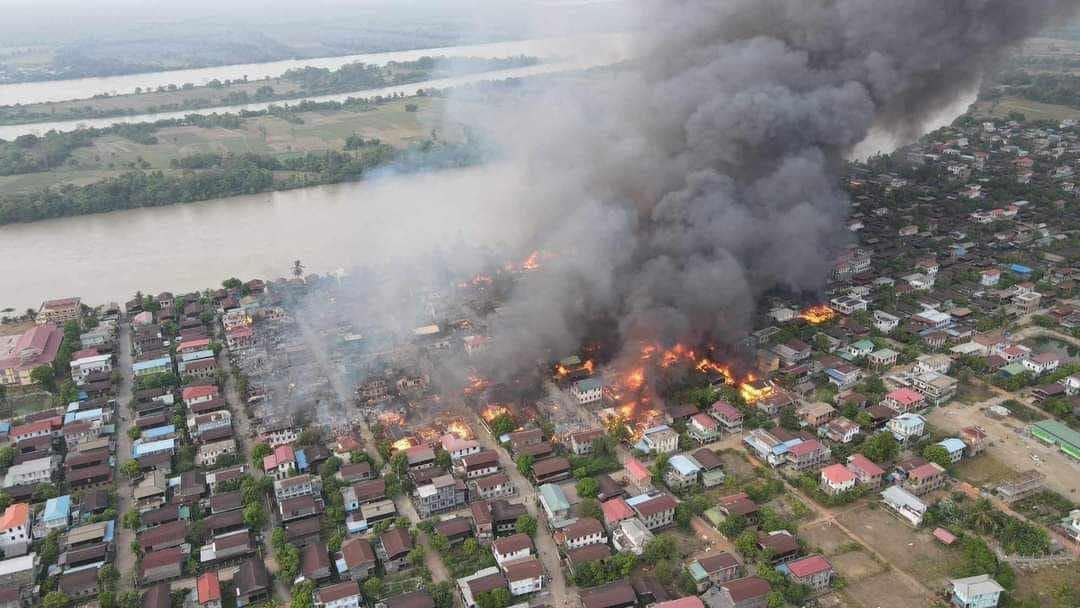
<point x="679" y="190"/>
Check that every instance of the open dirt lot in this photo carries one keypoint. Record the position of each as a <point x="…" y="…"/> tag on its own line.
<point x="827" y="538"/>
<point x="855" y="566"/>
<point x="1032" y="110"/>
<point x="913" y="551"/>
<point x="1012" y="449"/>
<point x="886" y="590"/>
<point x="1044" y="585"/>
<point x="985" y="471"/>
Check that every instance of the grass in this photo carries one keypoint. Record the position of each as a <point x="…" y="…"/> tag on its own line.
<point x="1032" y="110"/>
<point x="984" y="470"/>
<point x="112" y="155"/>
<point x="1044" y="587"/>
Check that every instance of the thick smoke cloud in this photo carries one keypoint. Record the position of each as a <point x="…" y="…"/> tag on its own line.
<point x="678" y="191"/>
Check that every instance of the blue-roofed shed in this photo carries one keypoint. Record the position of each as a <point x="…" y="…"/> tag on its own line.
<point x="301" y="461"/>
<point x="1020" y="269"/>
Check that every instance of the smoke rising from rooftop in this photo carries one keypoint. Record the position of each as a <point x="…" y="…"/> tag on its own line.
<point x="681" y="189"/>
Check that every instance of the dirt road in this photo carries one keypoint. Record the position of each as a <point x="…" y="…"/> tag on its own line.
<point x="125" y="557"/>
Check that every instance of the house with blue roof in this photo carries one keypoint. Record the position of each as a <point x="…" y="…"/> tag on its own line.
<point x="1020" y="269"/>
<point x="159" y="432"/>
<point x="142" y="447"/>
<point x="57" y="513"/>
<point x="955" y="447"/>
<point x="161" y="365"/>
<point x="89" y="415"/>
<point x="682" y="472"/>
<point x="556" y="506"/>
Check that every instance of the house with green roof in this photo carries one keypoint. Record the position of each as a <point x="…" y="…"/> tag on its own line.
<point x="1054" y="432"/>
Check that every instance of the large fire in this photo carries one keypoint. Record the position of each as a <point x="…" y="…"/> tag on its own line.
<point x="532" y="262"/>
<point x="460" y="429"/>
<point x="818" y="314"/>
<point x="389" y="419"/>
<point x="402" y="444"/>
<point x="754" y="390"/>
<point x="493" y="411"/>
<point x="476" y="385"/>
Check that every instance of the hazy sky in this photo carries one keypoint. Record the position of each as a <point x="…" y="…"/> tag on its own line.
<point x="53" y="21"/>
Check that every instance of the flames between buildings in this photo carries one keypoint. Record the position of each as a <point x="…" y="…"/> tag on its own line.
<point x="817" y="314"/>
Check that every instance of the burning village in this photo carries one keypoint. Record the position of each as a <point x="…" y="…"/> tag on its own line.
<point x="696" y="351"/>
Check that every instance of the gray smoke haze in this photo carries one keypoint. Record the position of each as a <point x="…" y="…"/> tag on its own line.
<point x="677" y="192"/>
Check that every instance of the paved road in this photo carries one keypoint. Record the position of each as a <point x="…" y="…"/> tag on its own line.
<point x="561" y="597"/>
<point x="125" y="557"/>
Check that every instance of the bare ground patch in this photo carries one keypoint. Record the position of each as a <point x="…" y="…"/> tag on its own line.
<point x="855" y="566"/>
<point x="886" y="590"/>
<point x="913" y="551"/>
<point x="826" y="537"/>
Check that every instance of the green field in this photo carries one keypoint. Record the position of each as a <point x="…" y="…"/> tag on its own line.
<point x="1032" y="110"/>
<point x="324" y="130"/>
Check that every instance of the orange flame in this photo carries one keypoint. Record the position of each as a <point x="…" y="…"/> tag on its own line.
<point x="532" y="262"/>
<point x="402" y="444"/>
<point x="752" y="392"/>
<point x="493" y="411"/>
<point x="818" y="314"/>
<point x="476" y="385"/>
<point x="460" y="429"/>
<point x="636" y="379"/>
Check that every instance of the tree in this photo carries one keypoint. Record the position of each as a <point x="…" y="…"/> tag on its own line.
<point x="7" y="457"/>
<point x="132" y="520"/>
<point x="526" y="524"/>
<point x="5" y="500"/>
<point x="788" y="419"/>
<point x="440" y="543"/>
<point x="416" y="556"/>
<point x="502" y="424"/>
<point x="746" y="543"/>
<point x="443" y="594"/>
<point x="46" y="377"/>
<point x="254" y="516"/>
<point x="882" y="447"/>
<point x="525" y="464"/>
<point x="937" y="454"/>
<point x="258" y="452"/>
<point x="589" y="507"/>
<point x="50" y="550"/>
<point x="130" y="469"/>
<point x="442" y="460"/>
<point x="732" y="526"/>
<point x="301" y="595"/>
<point x="588" y="488"/>
<point x="658" y="549"/>
<point x="683" y="514"/>
<point x="659" y="467"/>
<point x="134" y="433"/>
<point x="373" y="589"/>
<point x="56" y="599"/>
<point x="496" y="598"/>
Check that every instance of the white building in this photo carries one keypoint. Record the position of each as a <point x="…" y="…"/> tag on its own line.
<point x="85" y="366"/>
<point x="589" y="390"/>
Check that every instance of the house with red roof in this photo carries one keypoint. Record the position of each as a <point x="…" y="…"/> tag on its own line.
<point x="703" y="428"/>
<point x="836" y="478"/>
<point x="615" y="510"/>
<point x="21" y="354"/>
<point x="729" y="416"/>
<point x="814" y="571"/>
<point x="49" y="427"/>
<point x="809" y="454"/>
<point x="240" y="337"/>
<point x="746" y="592"/>
<point x="281" y="463"/>
<point x="866" y="472"/>
<point x="208" y="588"/>
<point x="904" y="400"/>
<point x="190" y="346"/>
<point x="637" y="473"/>
<point x="15" y="529"/>
<point x="925" y="478"/>
<point x="198" y="394"/>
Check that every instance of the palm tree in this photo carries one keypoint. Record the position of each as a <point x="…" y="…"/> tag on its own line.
<point x="981" y="516"/>
<point x="298" y="269"/>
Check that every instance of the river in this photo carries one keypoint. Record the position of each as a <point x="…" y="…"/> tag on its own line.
<point x="568" y="48"/>
<point x="107" y="257"/>
<point x="10" y="132"/>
